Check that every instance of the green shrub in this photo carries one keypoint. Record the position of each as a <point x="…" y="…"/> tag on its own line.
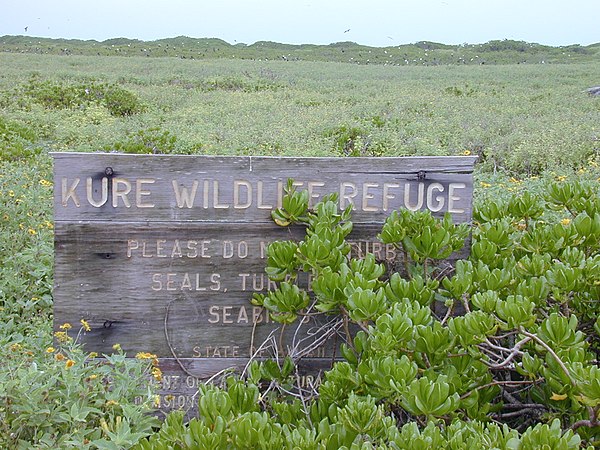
<point x="355" y="141"/>
<point x="513" y="330"/>
<point x="53" y="394"/>
<point x="61" y="397"/>
<point x="16" y="141"/>
<point x="152" y="140"/>
<point x="121" y="102"/>
<point x="55" y="95"/>
<point x="496" y="354"/>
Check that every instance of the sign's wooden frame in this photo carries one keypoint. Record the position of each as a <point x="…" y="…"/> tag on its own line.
<point x="162" y="253"/>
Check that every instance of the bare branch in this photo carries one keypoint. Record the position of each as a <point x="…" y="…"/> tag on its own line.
<point x="514" y="352"/>
<point x="552" y="352"/>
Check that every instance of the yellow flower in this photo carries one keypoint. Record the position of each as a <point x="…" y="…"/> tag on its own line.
<point x="93" y="355"/>
<point x="561" y="178"/>
<point x="93" y="376"/>
<point x="31" y="231"/>
<point x="11" y="193"/>
<point x="484" y="184"/>
<point x="62" y="336"/>
<point x="59" y="356"/>
<point x="117" y="347"/>
<point x="50" y="350"/>
<point x="70" y="363"/>
<point x="146" y="355"/>
<point x="15" y="347"/>
<point x="45" y="183"/>
<point x="466" y="152"/>
<point x="157" y="373"/>
<point x="112" y="403"/>
<point x="65" y="326"/>
<point x="566" y="221"/>
<point x="85" y="325"/>
<point x="157" y="401"/>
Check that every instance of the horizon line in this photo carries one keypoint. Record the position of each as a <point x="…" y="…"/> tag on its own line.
<point x="295" y="45"/>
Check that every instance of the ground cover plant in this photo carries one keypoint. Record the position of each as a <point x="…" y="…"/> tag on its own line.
<point x="422" y="53"/>
<point x="501" y="352"/>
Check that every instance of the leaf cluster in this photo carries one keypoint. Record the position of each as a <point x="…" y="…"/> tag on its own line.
<point x="65" y="398"/>
<point x="506" y="345"/>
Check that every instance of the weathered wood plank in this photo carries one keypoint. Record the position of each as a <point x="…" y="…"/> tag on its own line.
<point x="141" y="286"/>
<point x="163" y="253"/>
<point x="191" y="188"/>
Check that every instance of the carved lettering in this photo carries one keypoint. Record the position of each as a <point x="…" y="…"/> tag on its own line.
<point x="216" y="200"/>
<point x="263" y="249"/>
<point x="241" y="194"/>
<point x="260" y="204"/>
<point x="312" y="195"/>
<point x="419" y="203"/>
<point x="103" y="192"/>
<point x="140" y="192"/>
<point x="360" y="249"/>
<point x="452" y="198"/>
<point x="366" y="196"/>
<point x="185" y="282"/>
<point x="163" y="248"/>
<point x="256" y="282"/>
<point x="237" y="315"/>
<point x="237" y="194"/>
<point x="183" y="196"/>
<point x="347" y="193"/>
<point x="387" y="195"/>
<point x="68" y="192"/>
<point x="438" y="199"/>
<point x="181" y="401"/>
<point x="120" y="190"/>
<point x="177" y="249"/>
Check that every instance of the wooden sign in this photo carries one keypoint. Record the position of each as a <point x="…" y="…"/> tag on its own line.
<point x="162" y="254"/>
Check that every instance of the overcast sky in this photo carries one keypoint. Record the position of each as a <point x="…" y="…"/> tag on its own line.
<point x="375" y="23"/>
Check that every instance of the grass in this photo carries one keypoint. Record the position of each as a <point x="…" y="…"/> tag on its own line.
<point x="521" y="119"/>
<point x="530" y="125"/>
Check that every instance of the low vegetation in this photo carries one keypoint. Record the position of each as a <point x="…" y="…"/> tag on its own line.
<point x="501" y="352"/>
<point x="422" y="53"/>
